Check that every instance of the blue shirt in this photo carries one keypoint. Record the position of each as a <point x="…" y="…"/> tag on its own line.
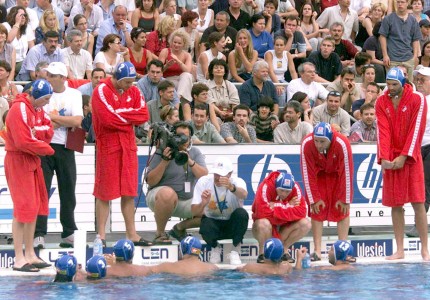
<point x="107" y="27"/>
<point x="150" y="90"/>
<point x="86" y="89"/>
<point x="107" y="14"/>
<point x="250" y="94"/>
<point x="262" y="43"/>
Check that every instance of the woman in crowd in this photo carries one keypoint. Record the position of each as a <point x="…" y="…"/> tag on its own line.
<point x="222" y="94"/>
<point x="417" y="10"/>
<point x="80" y="22"/>
<point x="261" y="39"/>
<point x="111" y="54"/>
<point x="243" y="57"/>
<point x="369" y="74"/>
<point x="169" y="114"/>
<point x="48" y="22"/>
<point x="139" y="55"/>
<point x="205" y="15"/>
<point x="376" y="14"/>
<point x="7" y="51"/>
<point x="178" y="64"/>
<point x="145" y="15"/>
<point x="309" y="25"/>
<point x="424" y="59"/>
<point x="264" y="120"/>
<point x="189" y="25"/>
<point x="216" y="42"/>
<point x="373" y="46"/>
<point x="280" y="61"/>
<point x="20" y="36"/>
<point x="170" y="10"/>
<point x="159" y="39"/>
<point x="303" y="99"/>
<point x="8" y="90"/>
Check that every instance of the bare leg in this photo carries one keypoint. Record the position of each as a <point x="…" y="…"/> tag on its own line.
<point x="343" y="228"/>
<point x="294" y="232"/>
<point x="317" y="229"/>
<point x="102" y="213"/>
<point x="262" y="231"/>
<point x="189" y="223"/>
<point x="127" y="209"/>
<point x="421" y="224"/>
<point x="165" y="203"/>
<point x="398" y="219"/>
<point x="18" y="240"/>
<point x="30" y="255"/>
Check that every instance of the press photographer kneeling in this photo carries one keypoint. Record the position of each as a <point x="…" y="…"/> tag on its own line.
<point x="171" y="185"/>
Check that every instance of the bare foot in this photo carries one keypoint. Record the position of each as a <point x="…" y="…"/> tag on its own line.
<point x="425" y="254"/>
<point x="20" y="263"/>
<point x="397" y="255"/>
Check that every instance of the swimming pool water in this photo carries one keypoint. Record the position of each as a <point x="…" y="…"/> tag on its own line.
<point x="388" y="281"/>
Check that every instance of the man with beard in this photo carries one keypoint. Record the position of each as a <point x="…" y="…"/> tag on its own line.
<point x="292" y="131"/>
<point x="327" y="63"/>
<point x="344" y="48"/>
<point x="364" y="130"/>
<point x="239" y="131"/>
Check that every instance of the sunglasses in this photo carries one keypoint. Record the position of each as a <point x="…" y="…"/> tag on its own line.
<point x="334" y="93"/>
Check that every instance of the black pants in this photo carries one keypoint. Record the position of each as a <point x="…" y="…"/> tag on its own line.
<point x="63" y="163"/>
<point x="235" y="228"/>
<point x="425" y="152"/>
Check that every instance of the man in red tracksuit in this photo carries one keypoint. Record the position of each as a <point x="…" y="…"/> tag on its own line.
<point x="401" y="115"/>
<point x="117" y="107"/>
<point x="327" y="170"/>
<point x="279" y="210"/>
<point x="27" y="136"/>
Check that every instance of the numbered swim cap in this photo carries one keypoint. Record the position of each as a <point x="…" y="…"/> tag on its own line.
<point x="396" y="74"/>
<point x="125" y="70"/>
<point x="124" y="250"/>
<point x="191" y="245"/>
<point x="96" y="267"/>
<point x="284" y="181"/>
<point x="273" y="249"/>
<point x="323" y="130"/>
<point x="66" y="265"/>
<point x="342" y="249"/>
<point x="41" y="88"/>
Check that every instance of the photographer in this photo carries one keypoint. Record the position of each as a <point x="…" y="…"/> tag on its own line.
<point x="171" y="185"/>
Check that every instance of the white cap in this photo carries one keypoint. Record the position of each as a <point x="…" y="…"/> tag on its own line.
<point x="222" y="166"/>
<point x="57" y="68"/>
<point x="422" y="70"/>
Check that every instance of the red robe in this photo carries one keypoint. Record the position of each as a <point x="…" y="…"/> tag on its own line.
<point x="328" y="177"/>
<point x="282" y="213"/>
<point x="27" y="135"/>
<point x="114" y="116"/>
<point x="400" y="132"/>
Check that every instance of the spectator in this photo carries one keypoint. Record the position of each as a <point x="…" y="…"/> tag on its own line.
<point x="280" y="61"/>
<point x="218" y="201"/>
<point x="145" y="16"/>
<point x="362" y="7"/>
<point x="330" y="112"/>
<point x="107" y="7"/>
<point x="216" y="44"/>
<point x="204" y="131"/>
<point x="80" y="23"/>
<point x="116" y="25"/>
<point x="97" y="74"/>
<point x="222" y="21"/>
<point x="286" y="10"/>
<point x="369" y="75"/>
<point x="243" y="57"/>
<point x="417" y="10"/>
<point x="261" y="39"/>
<point x="270" y="8"/>
<point x="239" y="19"/>
<point x="364" y="130"/>
<point x="93" y="15"/>
<point x="8" y="90"/>
<point x="170" y="11"/>
<point x="87" y="121"/>
<point x="171" y="187"/>
<point x="47" y="51"/>
<point x="32" y="15"/>
<point x="292" y="131"/>
<point x="223" y="95"/>
<point x="206" y="15"/>
<point x="40" y="73"/>
<point x="239" y="131"/>
<point x="130" y="6"/>
<point x="139" y="55"/>
<point x="65" y="111"/>
<point x="309" y="25"/>
<point x="42" y="5"/>
<point x="303" y="99"/>
<point x="251" y="7"/>
<point x="376" y="13"/>
<point x="264" y="120"/>
<point x="254" y="88"/>
<point x="347" y="88"/>
<point x="189" y="26"/>
<point x="425" y="32"/>
<point x="361" y="59"/>
<point x="327" y="62"/>
<point x="315" y="91"/>
<point x="111" y="54"/>
<point x="7" y="51"/>
<point x="169" y="115"/>
<point x="48" y="22"/>
<point x="372" y="93"/>
<point x="424" y="59"/>
<point x="77" y="60"/>
<point x="279" y="211"/>
<point x="344" y="48"/>
<point x="166" y="92"/>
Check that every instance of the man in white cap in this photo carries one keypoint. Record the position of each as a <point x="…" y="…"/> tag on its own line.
<point x="118" y="106"/>
<point x="218" y="200"/>
<point x="401" y="115"/>
<point x="65" y="111"/>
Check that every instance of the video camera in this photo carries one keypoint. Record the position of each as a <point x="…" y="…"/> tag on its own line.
<point x="167" y="137"/>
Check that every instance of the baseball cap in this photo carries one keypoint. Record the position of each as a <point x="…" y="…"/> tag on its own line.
<point x="342" y="249"/>
<point x="191" y="245"/>
<point x="323" y="130"/>
<point x="41" y="88"/>
<point x="273" y="249"/>
<point x="396" y="74"/>
<point x="420" y="69"/>
<point x="222" y="166"/>
<point x="96" y="267"/>
<point x="66" y="268"/>
<point x="57" y="68"/>
<point x="124" y="250"/>
<point x="125" y="70"/>
<point x="424" y="22"/>
<point x="284" y="181"/>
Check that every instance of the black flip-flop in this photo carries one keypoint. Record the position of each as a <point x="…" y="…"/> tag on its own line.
<point x="177" y="234"/>
<point x="315" y="257"/>
<point x="287" y="257"/>
<point x="41" y="265"/>
<point x="142" y="242"/>
<point x="351" y="259"/>
<point x="26" y="268"/>
<point x="162" y="240"/>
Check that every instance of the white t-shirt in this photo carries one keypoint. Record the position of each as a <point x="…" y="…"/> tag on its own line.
<point x="101" y="58"/>
<point x="129" y="4"/>
<point x="21" y="45"/>
<point x="222" y="198"/>
<point x="32" y="16"/>
<point x="314" y="90"/>
<point x="67" y="103"/>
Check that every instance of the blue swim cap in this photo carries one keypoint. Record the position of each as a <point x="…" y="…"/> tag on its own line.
<point x="191" y="245"/>
<point x="124" y="250"/>
<point x="396" y="74"/>
<point x="66" y="265"/>
<point x="342" y="249"/>
<point x="284" y="181"/>
<point x="323" y="130"/>
<point x="273" y="249"/>
<point x="96" y="267"/>
<point x="41" y="88"/>
<point x="125" y="70"/>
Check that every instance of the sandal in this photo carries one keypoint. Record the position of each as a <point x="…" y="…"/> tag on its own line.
<point x="351" y="259"/>
<point x="287" y="257"/>
<point x="315" y="257"/>
<point x="142" y="242"/>
<point x="162" y="240"/>
<point x="177" y="234"/>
